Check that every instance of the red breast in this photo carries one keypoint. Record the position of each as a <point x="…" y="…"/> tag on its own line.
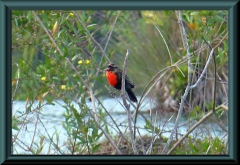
<point x="112" y="78"/>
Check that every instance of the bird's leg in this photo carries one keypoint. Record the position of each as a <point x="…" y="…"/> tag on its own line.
<point x="113" y="94"/>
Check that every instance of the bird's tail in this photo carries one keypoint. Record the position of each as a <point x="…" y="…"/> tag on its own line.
<point x="131" y="95"/>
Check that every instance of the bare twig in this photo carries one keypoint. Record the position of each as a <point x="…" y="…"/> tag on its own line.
<point x="35" y="129"/>
<point x="190" y="130"/>
<point x="46" y="131"/>
<point x="156" y="136"/>
<point x="27" y="149"/>
<point x="127" y="106"/>
<point x="185" y="43"/>
<point x="189" y="87"/>
<point x="107" y="136"/>
<point x="109" y="116"/>
<point x="204" y="70"/>
<point x="215" y="74"/>
<point x="147" y="89"/>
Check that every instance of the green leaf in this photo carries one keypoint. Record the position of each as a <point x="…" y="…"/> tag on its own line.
<point x="94" y="133"/>
<point x="220" y="18"/>
<point x="42" y="140"/>
<point x="194" y="13"/>
<point x="193" y="147"/>
<point x="15" y="127"/>
<point x="65" y="51"/>
<point x="91" y="27"/>
<point x="205" y="145"/>
<point x="83" y="16"/>
<point x="90" y="139"/>
<point x="188" y="18"/>
<point x="16" y="21"/>
<point x="39" y="150"/>
<point x="95" y="147"/>
<point x="75" y="57"/>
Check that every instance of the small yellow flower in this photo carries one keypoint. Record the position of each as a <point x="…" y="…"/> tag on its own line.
<point x="87" y="61"/>
<point x="43" y="78"/>
<point x="80" y="62"/>
<point x="63" y="87"/>
<point x="71" y="14"/>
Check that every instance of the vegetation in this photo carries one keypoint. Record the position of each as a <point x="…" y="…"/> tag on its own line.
<point x="177" y="59"/>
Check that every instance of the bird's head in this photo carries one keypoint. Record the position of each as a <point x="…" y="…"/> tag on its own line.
<point x="111" y="67"/>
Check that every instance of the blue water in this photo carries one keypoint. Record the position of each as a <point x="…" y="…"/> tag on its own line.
<point x="51" y="117"/>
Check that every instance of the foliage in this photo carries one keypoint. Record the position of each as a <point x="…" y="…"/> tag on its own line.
<point x="46" y="76"/>
<point x="211" y="146"/>
<point x="70" y="69"/>
<point x="83" y="134"/>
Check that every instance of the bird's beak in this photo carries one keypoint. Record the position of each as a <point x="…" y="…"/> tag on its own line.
<point x="106" y="68"/>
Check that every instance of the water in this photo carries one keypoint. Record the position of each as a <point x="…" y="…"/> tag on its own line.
<point x="51" y="118"/>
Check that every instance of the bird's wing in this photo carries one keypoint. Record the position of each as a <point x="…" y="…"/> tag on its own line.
<point x="127" y="79"/>
<point x="130" y="82"/>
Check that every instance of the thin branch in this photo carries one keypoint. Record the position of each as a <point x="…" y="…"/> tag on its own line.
<point x="109" y="116"/>
<point x="55" y="145"/>
<point x="191" y="129"/>
<point x="156" y="136"/>
<point x="146" y="90"/>
<point x="100" y="47"/>
<point x="204" y="70"/>
<point x="110" y="34"/>
<point x="107" y="136"/>
<point x="47" y="32"/>
<point x="185" y="39"/>
<point x="169" y="53"/>
<point x="35" y="130"/>
<point x="179" y="70"/>
<point x="215" y="74"/>
<point x="74" y="142"/>
<point x="189" y="87"/>
<point x="127" y="105"/>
